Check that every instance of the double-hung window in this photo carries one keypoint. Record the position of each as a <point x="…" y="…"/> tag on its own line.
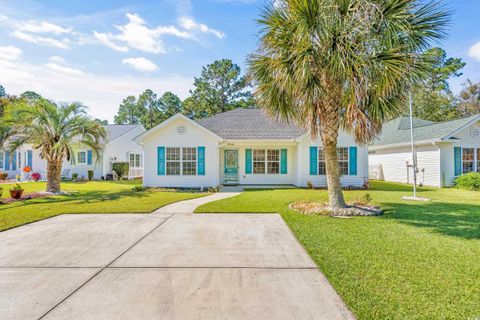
<point x="468" y="159"/>
<point x="266" y="161"/>
<point x="189" y="161"/>
<point x="342" y="155"/>
<point x="81" y="157"/>
<point x="181" y="161"/>
<point x="322" y="167"/>
<point x="135" y="160"/>
<point x="478" y="160"/>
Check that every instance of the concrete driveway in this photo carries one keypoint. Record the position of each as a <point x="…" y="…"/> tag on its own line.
<point x="161" y="266"/>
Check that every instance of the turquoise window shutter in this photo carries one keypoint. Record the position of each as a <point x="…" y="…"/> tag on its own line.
<point x="313" y="161"/>
<point x="201" y="161"/>
<point x="14" y="161"/>
<point x="248" y="161"/>
<point x="283" y="161"/>
<point x="7" y="160"/>
<point x="161" y="161"/>
<point x="29" y="159"/>
<point x="89" y="157"/>
<point x="353" y="161"/>
<point x="457" y="151"/>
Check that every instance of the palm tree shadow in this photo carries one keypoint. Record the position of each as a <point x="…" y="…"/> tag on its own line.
<point x="82" y="198"/>
<point x="451" y="219"/>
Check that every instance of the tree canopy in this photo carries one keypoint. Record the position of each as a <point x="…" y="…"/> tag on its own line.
<point x="432" y="98"/>
<point x="342" y="64"/>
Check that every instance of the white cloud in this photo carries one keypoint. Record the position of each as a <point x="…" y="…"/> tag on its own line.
<point x="136" y="34"/>
<point x="105" y="39"/>
<point x="191" y="25"/>
<point x="57" y="59"/>
<point x="474" y="51"/>
<point x="141" y="64"/>
<point x="101" y="92"/>
<point x="42" y="27"/>
<point x="10" y="53"/>
<point x="46" y="41"/>
<point x="64" y="69"/>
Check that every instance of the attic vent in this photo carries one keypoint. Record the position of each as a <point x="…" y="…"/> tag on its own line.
<point x="181" y="129"/>
<point x="475" y="133"/>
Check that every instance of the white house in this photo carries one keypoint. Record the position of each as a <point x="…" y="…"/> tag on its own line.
<point x="120" y="147"/>
<point x="444" y="151"/>
<point x="242" y="146"/>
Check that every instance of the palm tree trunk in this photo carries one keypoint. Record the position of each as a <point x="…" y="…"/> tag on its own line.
<point x="335" y="195"/>
<point x="53" y="176"/>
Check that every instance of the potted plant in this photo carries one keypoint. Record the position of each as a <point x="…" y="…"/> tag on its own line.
<point x="16" y="191"/>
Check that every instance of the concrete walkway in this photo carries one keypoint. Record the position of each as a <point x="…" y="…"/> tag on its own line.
<point x="189" y="206"/>
<point x="161" y="266"/>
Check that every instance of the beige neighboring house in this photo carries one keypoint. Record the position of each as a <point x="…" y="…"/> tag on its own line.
<point x="444" y="150"/>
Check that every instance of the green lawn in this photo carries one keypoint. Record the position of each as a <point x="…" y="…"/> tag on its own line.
<point x="418" y="261"/>
<point x="86" y="197"/>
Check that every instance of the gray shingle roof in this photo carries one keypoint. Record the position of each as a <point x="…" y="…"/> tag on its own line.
<point x="249" y="124"/>
<point x="397" y="131"/>
<point x="117" y="130"/>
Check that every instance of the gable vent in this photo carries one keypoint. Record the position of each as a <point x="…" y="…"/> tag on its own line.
<point x="181" y="129"/>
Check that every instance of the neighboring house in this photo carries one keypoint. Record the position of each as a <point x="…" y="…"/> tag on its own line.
<point x="242" y="146"/>
<point x="119" y="147"/>
<point x="444" y="150"/>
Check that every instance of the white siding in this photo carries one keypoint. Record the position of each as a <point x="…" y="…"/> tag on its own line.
<point x="194" y="136"/>
<point x="344" y="140"/>
<point x="393" y="162"/>
<point x="288" y="178"/>
<point x="462" y="139"/>
<point x="120" y="148"/>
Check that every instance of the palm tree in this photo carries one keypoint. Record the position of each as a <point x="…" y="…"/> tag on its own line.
<point x="54" y="130"/>
<point x="329" y="65"/>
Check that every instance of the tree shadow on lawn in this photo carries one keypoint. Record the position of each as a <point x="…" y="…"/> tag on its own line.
<point x="81" y="198"/>
<point x="399" y="187"/>
<point x="452" y="219"/>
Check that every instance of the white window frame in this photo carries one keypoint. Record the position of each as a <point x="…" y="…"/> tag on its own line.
<point x="135" y="160"/>
<point x="78" y="158"/>
<point x="473" y="161"/>
<point x="266" y="162"/>
<point x="182" y="161"/>
<point x="477" y="159"/>
<point x="320" y="160"/>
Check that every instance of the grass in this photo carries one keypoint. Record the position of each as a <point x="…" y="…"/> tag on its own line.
<point x="86" y="197"/>
<point x="417" y="261"/>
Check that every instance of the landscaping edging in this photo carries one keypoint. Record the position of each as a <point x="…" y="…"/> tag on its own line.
<point x="317" y="208"/>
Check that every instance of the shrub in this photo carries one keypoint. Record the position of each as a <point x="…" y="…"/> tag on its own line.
<point x="139" y="188"/>
<point x="36" y="176"/>
<point x="309" y="185"/>
<point x="3" y="176"/>
<point x="469" y="181"/>
<point x="74" y="176"/>
<point x="16" y="187"/>
<point x="90" y="175"/>
<point x="121" y="169"/>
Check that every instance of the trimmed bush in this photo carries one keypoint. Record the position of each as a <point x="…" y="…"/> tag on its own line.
<point x="469" y="181"/>
<point x="121" y="169"/>
<point x="74" y="176"/>
<point x="90" y="175"/>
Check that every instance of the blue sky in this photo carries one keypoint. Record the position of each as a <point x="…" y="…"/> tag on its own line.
<point x="98" y="52"/>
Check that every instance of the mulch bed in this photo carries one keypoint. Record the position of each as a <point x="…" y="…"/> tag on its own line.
<point x="319" y="208"/>
<point x="26" y="196"/>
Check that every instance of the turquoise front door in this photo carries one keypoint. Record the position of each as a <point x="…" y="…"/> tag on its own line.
<point x="231" y="167"/>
